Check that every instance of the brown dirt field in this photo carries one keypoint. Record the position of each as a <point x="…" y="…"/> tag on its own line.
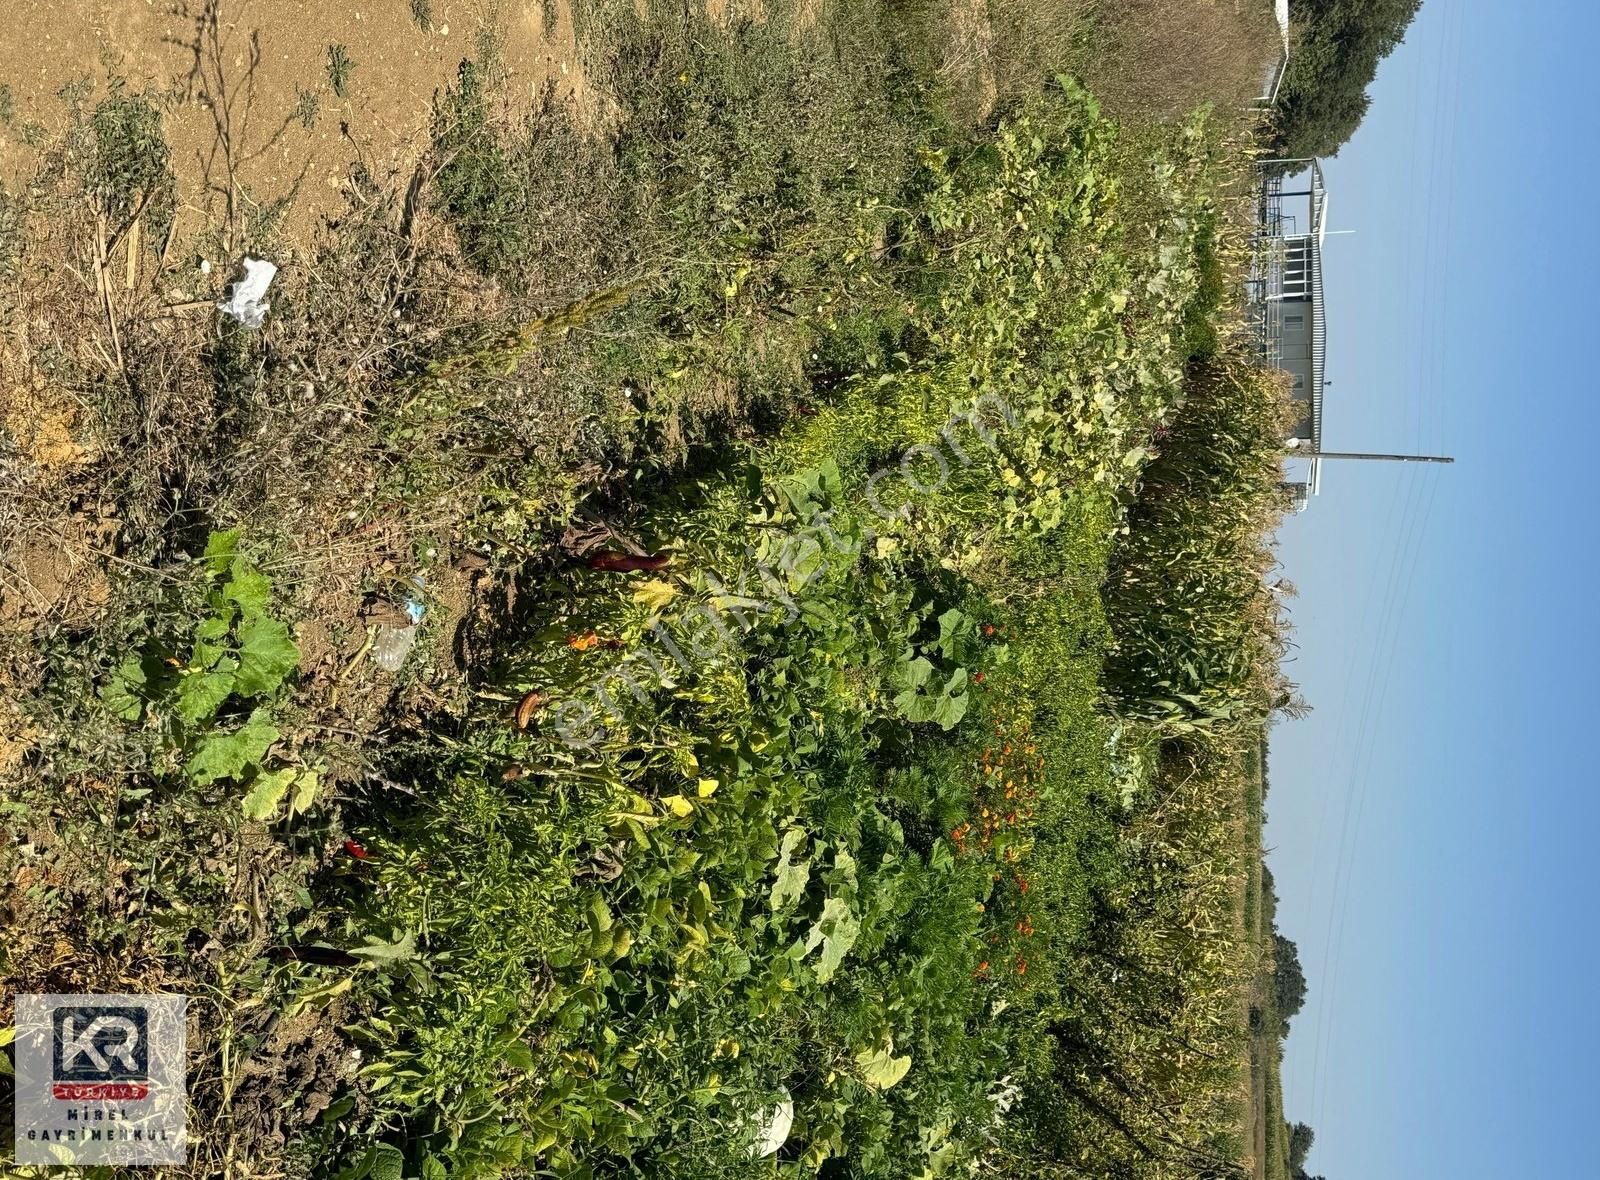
<point x="54" y="571"/>
<point x="237" y="80"/>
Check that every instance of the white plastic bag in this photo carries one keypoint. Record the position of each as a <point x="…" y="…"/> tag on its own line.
<point x="247" y="301"/>
<point x="770" y="1126"/>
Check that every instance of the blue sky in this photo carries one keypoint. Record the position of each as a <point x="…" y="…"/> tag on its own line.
<point x="1432" y="825"/>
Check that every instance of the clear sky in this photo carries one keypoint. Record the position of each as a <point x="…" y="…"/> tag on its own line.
<point x="1432" y="825"/>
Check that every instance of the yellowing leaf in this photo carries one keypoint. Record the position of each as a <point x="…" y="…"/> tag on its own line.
<point x="835" y="931"/>
<point x="261" y="801"/>
<point x="678" y="805"/>
<point x="655" y="594"/>
<point x="880" y="1069"/>
<point x="638" y="810"/>
<point x="707" y="787"/>
<point x="305" y="792"/>
<point x="792" y="874"/>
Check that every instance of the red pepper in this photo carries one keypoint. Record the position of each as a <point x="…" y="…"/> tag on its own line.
<point x="356" y="850"/>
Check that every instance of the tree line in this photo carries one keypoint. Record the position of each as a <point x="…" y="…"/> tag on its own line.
<point x="1339" y="44"/>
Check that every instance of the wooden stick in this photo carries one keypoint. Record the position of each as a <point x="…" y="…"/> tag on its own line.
<point x="133" y="255"/>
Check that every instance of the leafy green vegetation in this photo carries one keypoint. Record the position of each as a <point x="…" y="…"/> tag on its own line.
<point x="210" y="711"/>
<point x="751" y="891"/>
<point x="813" y="533"/>
<point x="1338" y="46"/>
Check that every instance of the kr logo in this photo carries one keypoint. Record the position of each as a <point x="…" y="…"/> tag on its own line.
<point x="100" y="1043"/>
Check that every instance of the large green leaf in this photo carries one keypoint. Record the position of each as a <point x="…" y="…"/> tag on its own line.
<point x="955" y="628"/>
<point x="220" y="550"/>
<point x="947" y="705"/>
<point x="200" y="694"/>
<point x="227" y="755"/>
<point x="880" y="1069"/>
<point x="249" y="588"/>
<point x="266" y="655"/>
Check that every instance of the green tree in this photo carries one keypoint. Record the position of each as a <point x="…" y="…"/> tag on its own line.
<point x="1324" y="95"/>
<point x="1300" y="1139"/>
<point x="1288" y="979"/>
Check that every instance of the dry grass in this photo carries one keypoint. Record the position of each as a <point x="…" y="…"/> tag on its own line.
<point x="1147" y="60"/>
<point x="1165" y="57"/>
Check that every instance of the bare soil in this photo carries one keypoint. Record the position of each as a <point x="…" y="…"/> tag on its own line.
<point x="249" y="99"/>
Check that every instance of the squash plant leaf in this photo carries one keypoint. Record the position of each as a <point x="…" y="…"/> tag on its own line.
<point x="880" y="1069"/>
<point x="955" y="632"/>
<point x="946" y="705"/>
<point x="200" y="694"/>
<point x="305" y="792"/>
<point x="221" y="547"/>
<point x="249" y="588"/>
<point x="226" y="755"/>
<point x="792" y="874"/>
<point x="266" y="655"/>
<point x="836" y="931"/>
<point x="262" y="799"/>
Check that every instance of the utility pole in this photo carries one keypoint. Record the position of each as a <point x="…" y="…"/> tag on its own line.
<point x="1293" y="454"/>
